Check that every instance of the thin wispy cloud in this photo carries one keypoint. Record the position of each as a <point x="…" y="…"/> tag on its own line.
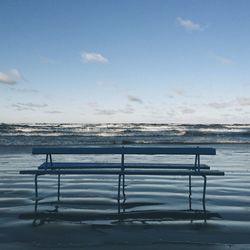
<point x="102" y="83"/>
<point x="220" y="105"/>
<point x="236" y="103"/>
<point x="105" y="111"/>
<point x="106" y="84"/>
<point x="180" y="92"/>
<point x="25" y="90"/>
<point x="128" y="109"/>
<point x="222" y="59"/>
<point x="188" y="24"/>
<point x="90" y="57"/>
<point x="11" y="77"/>
<point x="53" y="112"/>
<point x="20" y="106"/>
<point x="93" y="104"/>
<point x="47" y="60"/>
<point x="187" y="110"/>
<point x="136" y="99"/>
<point x="243" y="101"/>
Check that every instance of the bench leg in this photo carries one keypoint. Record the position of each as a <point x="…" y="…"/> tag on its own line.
<point x="36" y="193"/>
<point x="123" y="193"/>
<point x="204" y="198"/>
<point x="190" y="192"/>
<point x="204" y="193"/>
<point x="123" y="186"/>
<point x="36" y="187"/>
<point x="119" y="193"/>
<point x="58" y="187"/>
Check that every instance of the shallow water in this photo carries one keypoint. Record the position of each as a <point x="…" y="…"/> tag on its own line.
<point x="154" y="199"/>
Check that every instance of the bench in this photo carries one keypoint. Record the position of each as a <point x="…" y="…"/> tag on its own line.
<point x="123" y="168"/>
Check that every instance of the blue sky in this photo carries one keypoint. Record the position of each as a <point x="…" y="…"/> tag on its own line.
<point x="125" y="61"/>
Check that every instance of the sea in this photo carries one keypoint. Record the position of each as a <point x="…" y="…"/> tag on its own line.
<point x="151" y="199"/>
<point x="75" y="134"/>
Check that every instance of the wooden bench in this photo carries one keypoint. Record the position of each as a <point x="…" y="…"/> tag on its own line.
<point x="123" y="168"/>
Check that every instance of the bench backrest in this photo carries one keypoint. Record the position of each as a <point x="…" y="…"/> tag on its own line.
<point x="126" y="150"/>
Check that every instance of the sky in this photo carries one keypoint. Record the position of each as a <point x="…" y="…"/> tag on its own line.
<point x="152" y="61"/>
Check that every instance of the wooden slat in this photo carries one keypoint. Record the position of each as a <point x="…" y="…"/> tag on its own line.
<point x="126" y="172"/>
<point x="173" y="172"/>
<point x="81" y="165"/>
<point x="74" y="172"/>
<point x="170" y="150"/>
<point x="126" y="150"/>
<point x="77" y="150"/>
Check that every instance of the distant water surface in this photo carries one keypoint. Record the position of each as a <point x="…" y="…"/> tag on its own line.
<point x="129" y="133"/>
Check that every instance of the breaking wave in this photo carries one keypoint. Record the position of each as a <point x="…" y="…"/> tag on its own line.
<point x="126" y="133"/>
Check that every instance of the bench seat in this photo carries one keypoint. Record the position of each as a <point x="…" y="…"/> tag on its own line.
<point x="125" y="172"/>
<point x="85" y="165"/>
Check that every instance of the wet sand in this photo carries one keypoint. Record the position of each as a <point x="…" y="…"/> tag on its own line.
<point x="72" y="236"/>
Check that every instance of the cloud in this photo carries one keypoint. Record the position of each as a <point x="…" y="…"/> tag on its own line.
<point x="11" y="77"/>
<point x="180" y="92"/>
<point x="20" y="106"/>
<point x="243" y="101"/>
<point x="223" y="60"/>
<point x="106" y="111"/>
<point x="127" y="110"/>
<point x="188" y="111"/>
<point x="236" y="103"/>
<point x="94" y="58"/>
<point x="101" y="83"/>
<point x="170" y="96"/>
<point x="105" y="84"/>
<point x="189" y="25"/>
<point x="25" y="90"/>
<point x="47" y="60"/>
<point x="53" y="112"/>
<point x="132" y="98"/>
<point x="220" y="105"/>
<point x="93" y="104"/>
<point x="238" y="109"/>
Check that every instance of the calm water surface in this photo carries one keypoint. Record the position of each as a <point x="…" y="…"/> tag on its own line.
<point x="94" y="197"/>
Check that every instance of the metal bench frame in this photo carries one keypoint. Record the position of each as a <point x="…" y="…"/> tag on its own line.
<point x="52" y="168"/>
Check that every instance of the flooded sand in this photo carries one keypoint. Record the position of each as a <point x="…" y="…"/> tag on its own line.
<point x="155" y="211"/>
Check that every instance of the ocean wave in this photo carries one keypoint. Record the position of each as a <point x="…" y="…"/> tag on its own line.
<point x="224" y="133"/>
<point x="122" y="133"/>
